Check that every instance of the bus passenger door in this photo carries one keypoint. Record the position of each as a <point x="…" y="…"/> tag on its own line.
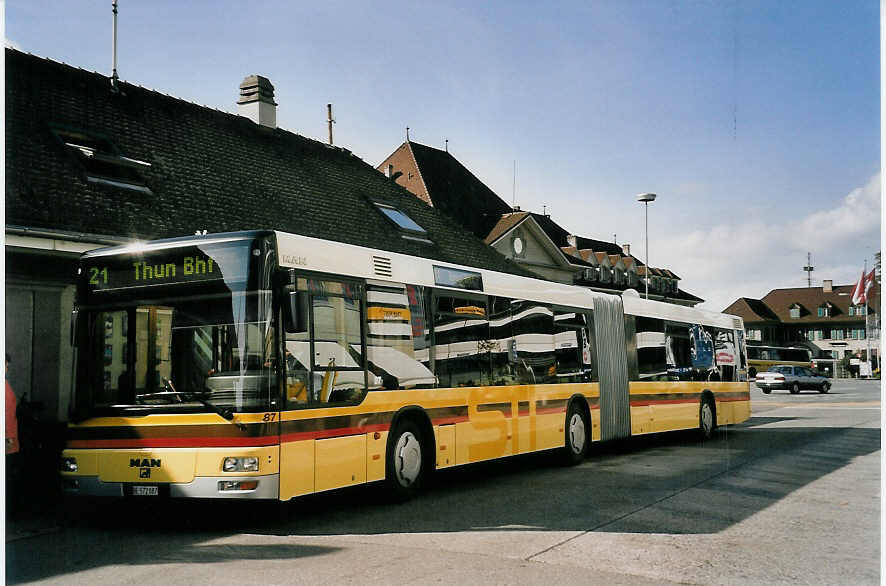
<point x="325" y="370"/>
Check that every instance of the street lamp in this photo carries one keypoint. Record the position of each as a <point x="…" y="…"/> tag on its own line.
<point x="646" y="198"/>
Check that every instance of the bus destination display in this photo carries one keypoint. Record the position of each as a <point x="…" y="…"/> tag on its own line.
<point x="140" y="271"/>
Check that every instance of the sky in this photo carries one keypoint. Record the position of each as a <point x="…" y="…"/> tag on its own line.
<point x="757" y="123"/>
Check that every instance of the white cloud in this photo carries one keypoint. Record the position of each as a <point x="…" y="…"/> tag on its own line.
<point x="728" y="261"/>
<point x="858" y="214"/>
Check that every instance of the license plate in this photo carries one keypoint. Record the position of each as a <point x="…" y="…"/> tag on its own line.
<point x="145" y="490"/>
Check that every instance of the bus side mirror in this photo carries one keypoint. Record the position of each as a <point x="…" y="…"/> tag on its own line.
<point x="290" y="311"/>
<point x="293" y="317"/>
<point x="74" y="314"/>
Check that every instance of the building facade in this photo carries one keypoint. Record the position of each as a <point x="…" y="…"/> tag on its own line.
<point x="823" y="319"/>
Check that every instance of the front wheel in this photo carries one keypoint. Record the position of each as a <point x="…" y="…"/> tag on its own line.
<point x="405" y="469"/>
<point x="766" y="391"/>
<point x="825" y="387"/>
<point x="706" y="420"/>
<point x="795" y="388"/>
<point x="577" y="435"/>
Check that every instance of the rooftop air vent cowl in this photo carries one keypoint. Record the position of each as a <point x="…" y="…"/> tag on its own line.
<point x="257" y="101"/>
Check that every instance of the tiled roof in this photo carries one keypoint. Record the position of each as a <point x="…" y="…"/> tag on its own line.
<point x="751" y="310"/>
<point x="598" y="245"/>
<point x="210" y="170"/>
<point x="506" y="222"/>
<point x="555" y="232"/>
<point x="811" y="298"/>
<point x="457" y="192"/>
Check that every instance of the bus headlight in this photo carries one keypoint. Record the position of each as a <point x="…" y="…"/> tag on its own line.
<point x="240" y="464"/>
<point x="68" y="465"/>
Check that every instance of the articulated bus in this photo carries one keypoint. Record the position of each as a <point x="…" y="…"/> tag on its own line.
<point x="760" y="358"/>
<point x="266" y="365"/>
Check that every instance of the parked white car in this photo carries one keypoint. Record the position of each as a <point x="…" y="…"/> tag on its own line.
<point x="792" y="378"/>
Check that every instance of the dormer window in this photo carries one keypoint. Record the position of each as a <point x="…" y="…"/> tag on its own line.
<point x="824" y="311"/>
<point x="102" y="160"/>
<point x="410" y="228"/>
<point x="795" y="311"/>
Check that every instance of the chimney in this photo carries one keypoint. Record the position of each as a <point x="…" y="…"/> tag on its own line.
<point x="572" y="241"/>
<point x="257" y="101"/>
<point x="389" y="172"/>
<point x="627" y="249"/>
<point x="827" y="286"/>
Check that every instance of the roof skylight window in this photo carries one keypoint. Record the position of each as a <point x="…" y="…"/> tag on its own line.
<point x="401" y="220"/>
<point x="103" y="162"/>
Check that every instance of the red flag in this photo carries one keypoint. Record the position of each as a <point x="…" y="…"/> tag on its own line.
<point x="858" y="293"/>
<point x="869" y="282"/>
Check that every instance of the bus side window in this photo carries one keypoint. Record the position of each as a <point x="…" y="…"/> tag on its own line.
<point x="651" y="355"/>
<point x="397" y="337"/>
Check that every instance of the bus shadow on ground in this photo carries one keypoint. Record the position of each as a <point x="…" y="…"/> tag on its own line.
<point x="664" y="483"/>
<point x="661" y="483"/>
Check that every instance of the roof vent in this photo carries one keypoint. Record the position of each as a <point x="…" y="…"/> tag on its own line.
<point x="257" y="101"/>
<point x="382" y="266"/>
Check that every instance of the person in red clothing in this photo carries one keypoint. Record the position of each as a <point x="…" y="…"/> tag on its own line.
<point x="12" y="451"/>
<point x="11" y="420"/>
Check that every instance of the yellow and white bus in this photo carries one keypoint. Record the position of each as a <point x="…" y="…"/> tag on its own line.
<point x="760" y="358"/>
<point x="267" y="365"/>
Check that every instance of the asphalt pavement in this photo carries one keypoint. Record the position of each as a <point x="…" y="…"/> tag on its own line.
<point x="791" y="496"/>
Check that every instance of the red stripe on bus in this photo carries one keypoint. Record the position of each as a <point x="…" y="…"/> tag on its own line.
<point x="450" y="420"/>
<point x="550" y="410"/>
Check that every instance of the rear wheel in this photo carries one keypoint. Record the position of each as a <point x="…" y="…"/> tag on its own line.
<point x="577" y="434"/>
<point x="825" y="387"/>
<point x="405" y="468"/>
<point x="707" y="422"/>
<point x="795" y="388"/>
<point x="766" y="391"/>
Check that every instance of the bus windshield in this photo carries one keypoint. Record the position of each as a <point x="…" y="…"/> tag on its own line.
<point x="210" y="347"/>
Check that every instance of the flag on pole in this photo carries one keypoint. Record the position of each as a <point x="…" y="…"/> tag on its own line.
<point x="859" y="293"/>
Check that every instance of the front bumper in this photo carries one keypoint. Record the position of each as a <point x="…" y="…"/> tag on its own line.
<point x="201" y="487"/>
<point x="772" y="385"/>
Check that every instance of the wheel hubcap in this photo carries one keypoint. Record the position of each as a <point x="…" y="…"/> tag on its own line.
<point x="576" y="433"/>
<point x="407" y="459"/>
<point x="707" y="418"/>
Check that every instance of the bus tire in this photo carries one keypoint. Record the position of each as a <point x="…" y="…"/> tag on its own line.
<point x="405" y="465"/>
<point x="577" y="434"/>
<point x="707" y="418"/>
<point x="766" y="391"/>
<point x="795" y="388"/>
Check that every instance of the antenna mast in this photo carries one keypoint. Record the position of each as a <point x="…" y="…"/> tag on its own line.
<point x="329" y="120"/>
<point x="514" y="189"/>
<point x="114" y="49"/>
<point x="809" y="268"/>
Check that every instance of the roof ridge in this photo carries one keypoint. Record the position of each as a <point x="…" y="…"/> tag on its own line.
<point x="234" y="115"/>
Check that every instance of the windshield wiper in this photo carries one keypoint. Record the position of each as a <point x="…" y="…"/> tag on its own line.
<point x="199" y="396"/>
